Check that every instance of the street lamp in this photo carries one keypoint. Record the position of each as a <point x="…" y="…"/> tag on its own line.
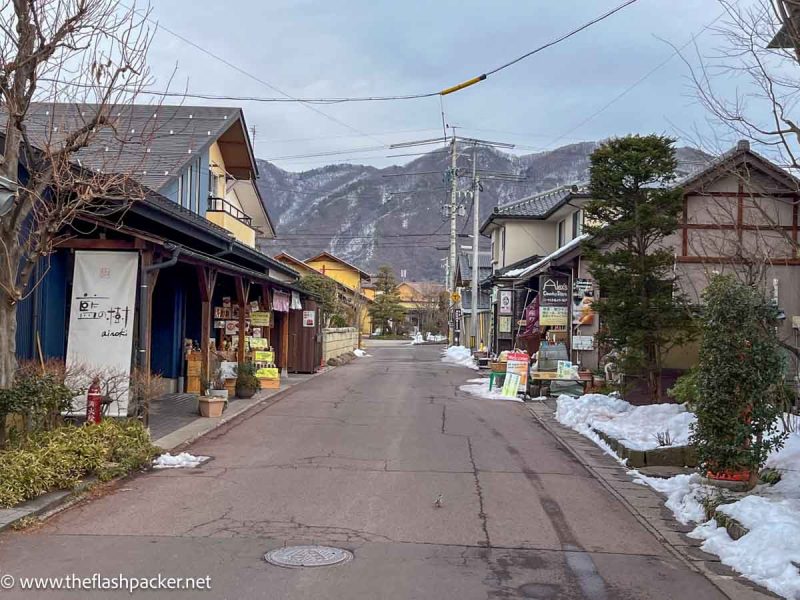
<point x="8" y="194"/>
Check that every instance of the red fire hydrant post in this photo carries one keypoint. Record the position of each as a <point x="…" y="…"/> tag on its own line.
<point x="94" y="399"/>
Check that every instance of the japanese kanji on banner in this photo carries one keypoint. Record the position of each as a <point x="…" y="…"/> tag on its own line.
<point x="101" y="321"/>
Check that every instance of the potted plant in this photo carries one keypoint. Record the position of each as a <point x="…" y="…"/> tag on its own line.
<point x="741" y="369"/>
<point x="214" y="404"/>
<point x="246" y="381"/>
<point x="205" y="387"/>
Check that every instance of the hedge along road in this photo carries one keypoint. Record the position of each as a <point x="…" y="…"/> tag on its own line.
<point x="357" y="458"/>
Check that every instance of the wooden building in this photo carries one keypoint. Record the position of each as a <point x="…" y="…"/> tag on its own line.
<point x="194" y="234"/>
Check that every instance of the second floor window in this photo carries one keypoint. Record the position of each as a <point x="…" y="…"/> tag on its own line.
<point x="577" y="223"/>
<point x="560" y="233"/>
<point x="189" y="188"/>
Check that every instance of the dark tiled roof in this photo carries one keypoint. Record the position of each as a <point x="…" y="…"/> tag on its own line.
<point x="739" y="155"/>
<point x="540" y="205"/>
<point x="151" y="143"/>
<point x="484" y="299"/>
<point x="465" y="265"/>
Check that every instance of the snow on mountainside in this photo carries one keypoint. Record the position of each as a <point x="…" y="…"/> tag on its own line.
<point x="370" y="216"/>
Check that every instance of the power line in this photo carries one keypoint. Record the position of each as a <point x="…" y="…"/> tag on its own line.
<point x="586" y="25"/>
<point x="247" y="73"/>
<point x="637" y="82"/>
<point x="349" y="237"/>
<point x="328" y="153"/>
<point x="309" y="102"/>
<point x="562" y="38"/>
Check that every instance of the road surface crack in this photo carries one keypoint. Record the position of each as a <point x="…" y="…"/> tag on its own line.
<point x="479" y="491"/>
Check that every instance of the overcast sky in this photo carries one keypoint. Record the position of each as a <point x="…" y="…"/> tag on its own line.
<point x="317" y="48"/>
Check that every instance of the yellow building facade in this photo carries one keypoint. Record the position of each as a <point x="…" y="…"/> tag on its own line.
<point x="351" y="279"/>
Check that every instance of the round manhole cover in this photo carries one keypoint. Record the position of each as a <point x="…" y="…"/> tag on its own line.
<point x="308" y="556"/>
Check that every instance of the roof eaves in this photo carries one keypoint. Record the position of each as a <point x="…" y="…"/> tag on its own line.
<point x="740" y="151"/>
<point x="341" y="260"/>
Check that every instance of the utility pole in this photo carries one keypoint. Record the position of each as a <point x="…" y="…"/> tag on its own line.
<point x="453" y="214"/>
<point x="451" y="278"/>
<point x="476" y="211"/>
<point x="451" y="211"/>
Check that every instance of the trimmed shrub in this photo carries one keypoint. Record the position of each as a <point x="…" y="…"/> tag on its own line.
<point x="39" y="395"/>
<point x="58" y="459"/>
<point x="739" y="379"/>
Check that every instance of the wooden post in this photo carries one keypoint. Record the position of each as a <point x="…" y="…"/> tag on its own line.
<point x="207" y="278"/>
<point x="266" y="303"/>
<point x="284" y="341"/>
<point x="146" y="298"/>
<point x="242" y="293"/>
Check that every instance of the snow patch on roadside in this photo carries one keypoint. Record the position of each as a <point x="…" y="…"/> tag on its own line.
<point x="684" y="493"/>
<point x="360" y="353"/>
<point x="480" y="387"/>
<point x="418" y="339"/>
<point x="459" y="355"/>
<point x="579" y="413"/>
<point x="637" y="427"/>
<point x="769" y="554"/>
<point x="184" y="460"/>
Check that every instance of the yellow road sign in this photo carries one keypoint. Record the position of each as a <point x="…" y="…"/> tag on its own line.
<point x="455" y="297"/>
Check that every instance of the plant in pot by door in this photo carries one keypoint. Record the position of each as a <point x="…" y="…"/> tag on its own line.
<point x="214" y="404"/>
<point x="247" y="383"/>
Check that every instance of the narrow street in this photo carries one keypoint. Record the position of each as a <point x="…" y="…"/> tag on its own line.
<point x="356" y="458"/>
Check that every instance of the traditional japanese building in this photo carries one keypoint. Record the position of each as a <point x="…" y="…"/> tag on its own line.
<point x="198" y="280"/>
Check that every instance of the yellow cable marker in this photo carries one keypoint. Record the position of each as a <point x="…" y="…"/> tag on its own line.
<point x="461" y="86"/>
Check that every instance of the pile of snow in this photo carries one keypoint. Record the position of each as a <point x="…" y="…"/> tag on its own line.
<point x="480" y="387"/>
<point x="429" y="337"/>
<point x="769" y="553"/>
<point x="684" y="493"/>
<point x="637" y="427"/>
<point x="184" y="460"/>
<point x="360" y="353"/>
<point x="459" y="355"/>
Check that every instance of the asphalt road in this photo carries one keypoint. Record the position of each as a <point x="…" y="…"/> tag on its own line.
<point x="357" y="458"/>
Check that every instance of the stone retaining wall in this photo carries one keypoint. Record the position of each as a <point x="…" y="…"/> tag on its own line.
<point x="337" y="341"/>
<point x="674" y="456"/>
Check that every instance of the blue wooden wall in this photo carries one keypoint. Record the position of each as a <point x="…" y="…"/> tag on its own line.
<point x="46" y="309"/>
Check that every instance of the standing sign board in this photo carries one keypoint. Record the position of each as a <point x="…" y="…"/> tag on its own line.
<point x="554" y="300"/>
<point x="518" y="364"/>
<point x="510" y="385"/>
<point x="101" y="319"/>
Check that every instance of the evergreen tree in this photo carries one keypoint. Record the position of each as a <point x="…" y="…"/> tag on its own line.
<point x="634" y="208"/>
<point x="386" y="308"/>
<point x="324" y="289"/>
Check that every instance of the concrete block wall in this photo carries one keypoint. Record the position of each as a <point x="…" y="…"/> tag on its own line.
<point x="338" y="340"/>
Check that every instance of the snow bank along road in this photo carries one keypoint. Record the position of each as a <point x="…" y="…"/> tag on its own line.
<point x="357" y="458"/>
